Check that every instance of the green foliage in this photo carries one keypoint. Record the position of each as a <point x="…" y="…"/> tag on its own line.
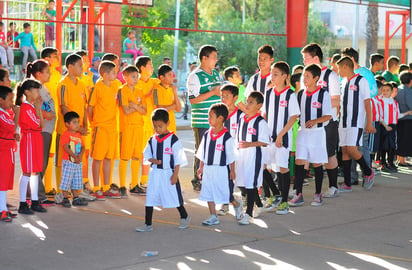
<point x="319" y="33"/>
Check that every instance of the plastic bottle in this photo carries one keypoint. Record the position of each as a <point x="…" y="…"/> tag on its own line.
<point x="150" y="253"/>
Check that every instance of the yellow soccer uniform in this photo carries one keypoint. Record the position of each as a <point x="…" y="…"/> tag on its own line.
<point x="147" y="90"/>
<point x="103" y="99"/>
<point x="163" y="96"/>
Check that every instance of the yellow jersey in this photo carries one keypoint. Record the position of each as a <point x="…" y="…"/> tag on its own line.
<point x="163" y="96"/>
<point x="87" y="80"/>
<point x="125" y="96"/>
<point x="103" y="99"/>
<point x="147" y="90"/>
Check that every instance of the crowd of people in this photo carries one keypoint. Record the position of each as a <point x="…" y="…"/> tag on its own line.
<point x="286" y="123"/>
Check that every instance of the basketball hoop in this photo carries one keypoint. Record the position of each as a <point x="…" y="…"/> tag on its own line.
<point x="138" y="8"/>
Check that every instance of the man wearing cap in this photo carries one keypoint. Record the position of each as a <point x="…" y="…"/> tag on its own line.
<point x="95" y="68"/>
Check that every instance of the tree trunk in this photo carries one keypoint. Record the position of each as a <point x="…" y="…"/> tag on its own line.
<point x="236" y="6"/>
<point x="372" y="27"/>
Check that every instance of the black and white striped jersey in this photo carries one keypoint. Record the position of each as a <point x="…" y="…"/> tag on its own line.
<point x="168" y="149"/>
<point x="232" y="122"/>
<point x="254" y="129"/>
<point x="314" y="105"/>
<point x="354" y="93"/>
<point x="279" y="107"/>
<point x="258" y="83"/>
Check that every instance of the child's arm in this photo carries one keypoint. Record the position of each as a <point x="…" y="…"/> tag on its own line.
<point x="90" y="113"/>
<point x="47" y="115"/>
<point x="232" y="175"/>
<point x="43" y="13"/>
<point x="37" y="106"/>
<point x="388" y="128"/>
<point x="173" y="179"/>
<point x="80" y="156"/>
<point x="155" y="161"/>
<point x="369" y="126"/>
<point x="32" y="42"/>
<point x="67" y="149"/>
<point x="200" y="170"/>
<point x="286" y="128"/>
<point x="178" y="107"/>
<point x="251" y="144"/>
<point x="314" y="122"/>
<point x="19" y="36"/>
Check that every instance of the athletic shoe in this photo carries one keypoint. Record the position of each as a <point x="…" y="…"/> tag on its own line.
<point x="283" y="209"/>
<point x="99" y="195"/>
<point x="393" y="167"/>
<point x="277" y="201"/>
<point x="114" y="187"/>
<point x="259" y="211"/>
<point x="123" y="192"/>
<point x="112" y="194"/>
<point x="12" y="215"/>
<point x="224" y="210"/>
<point x="47" y="203"/>
<point x="239" y="210"/>
<point x="24" y="209"/>
<point x="332" y="192"/>
<point x="246" y="220"/>
<point x="308" y="174"/>
<point x="212" y="220"/>
<point x="184" y="223"/>
<point x="297" y="200"/>
<point x="145" y="228"/>
<point x="368" y="181"/>
<point x="292" y="193"/>
<point x="386" y="168"/>
<point x="138" y="191"/>
<point x="273" y="202"/>
<point x="35" y="206"/>
<point x="317" y="200"/>
<point x="51" y="193"/>
<point x="66" y="203"/>
<point x="80" y="202"/>
<point x="305" y="182"/>
<point x="86" y="195"/>
<point x="58" y="199"/>
<point x="269" y="203"/>
<point x="5" y="217"/>
<point x="345" y="188"/>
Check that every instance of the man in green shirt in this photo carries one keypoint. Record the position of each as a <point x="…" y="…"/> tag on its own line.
<point x="203" y="86"/>
<point x="391" y="74"/>
<point x="50" y="13"/>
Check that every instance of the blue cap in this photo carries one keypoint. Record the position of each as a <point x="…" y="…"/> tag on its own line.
<point x="94" y="59"/>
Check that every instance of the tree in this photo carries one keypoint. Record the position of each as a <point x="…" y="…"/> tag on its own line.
<point x="372" y="27"/>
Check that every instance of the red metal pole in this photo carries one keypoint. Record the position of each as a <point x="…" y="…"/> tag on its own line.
<point x="69" y="9"/>
<point x="403" y="52"/>
<point x="91" y="29"/>
<point x="196" y="15"/>
<point x="59" y="10"/>
<point x="387" y="35"/>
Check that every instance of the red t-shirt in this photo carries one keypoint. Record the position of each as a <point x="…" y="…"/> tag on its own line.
<point x="7" y="140"/>
<point x="75" y="141"/>
<point x="2" y="38"/>
<point x="10" y="40"/>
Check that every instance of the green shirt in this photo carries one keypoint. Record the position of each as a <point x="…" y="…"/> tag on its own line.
<point x="52" y="13"/>
<point x="241" y="96"/>
<point x="389" y="77"/>
<point x="200" y="82"/>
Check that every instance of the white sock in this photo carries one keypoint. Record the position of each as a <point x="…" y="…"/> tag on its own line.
<point x="34" y="187"/>
<point x="3" y="203"/>
<point x="24" y="180"/>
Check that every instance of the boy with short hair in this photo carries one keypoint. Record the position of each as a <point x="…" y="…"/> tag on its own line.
<point x="355" y="107"/>
<point x="377" y="63"/>
<point x="392" y="69"/>
<point x="165" y="153"/>
<point x="11" y="34"/>
<point x="73" y="146"/>
<point x="165" y="94"/>
<point x="232" y="75"/>
<point x="132" y="109"/>
<point x="71" y="96"/>
<point x="253" y="134"/>
<point x="6" y="52"/>
<point x="260" y="80"/>
<point x="316" y="111"/>
<point x="27" y="45"/>
<point x="217" y="154"/>
<point x="50" y="13"/>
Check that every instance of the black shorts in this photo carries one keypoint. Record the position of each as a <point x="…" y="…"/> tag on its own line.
<point x="332" y="137"/>
<point x="374" y="140"/>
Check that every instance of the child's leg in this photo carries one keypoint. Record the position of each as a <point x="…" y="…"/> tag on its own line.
<point x="332" y="170"/>
<point x="24" y="181"/>
<point x="182" y="211"/>
<point x="85" y="166"/>
<point x="356" y="155"/>
<point x="33" y="53"/>
<point x="122" y="172"/>
<point x="284" y="177"/>
<point x="148" y="215"/>
<point x="299" y="175"/>
<point x="135" y="164"/>
<point x="107" y="168"/>
<point x="391" y="156"/>
<point x="145" y="174"/>
<point x="10" y="56"/>
<point x="346" y="166"/>
<point x="25" y="51"/>
<point x="257" y="198"/>
<point x="3" y="57"/>
<point x="34" y="186"/>
<point x="3" y="200"/>
<point x="318" y="177"/>
<point x="212" y="208"/>
<point x="96" y="173"/>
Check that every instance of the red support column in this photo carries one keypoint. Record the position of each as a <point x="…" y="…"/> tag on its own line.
<point x="296" y="28"/>
<point x="113" y="34"/>
<point x="91" y="29"/>
<point x="59" y="36"/>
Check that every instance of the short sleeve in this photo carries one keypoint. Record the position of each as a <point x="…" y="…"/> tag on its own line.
<point x="364" y="89"/>
<point x="179" y="154"/>
<point x="293" y="105"/>
<point x="193" y="85"/>
<point x="147" y="153"/>
<point x="231" y="151"/>
<point x="93" y="97"/>
<point x="249" y="88"/>
<point x="200" y="150"/>
<point x="65" y="139"/>
<point x="327" y="105"/>
<point x="61" y="94"/>
<point x="334" y="84"/>
<point x="264" y="133"/>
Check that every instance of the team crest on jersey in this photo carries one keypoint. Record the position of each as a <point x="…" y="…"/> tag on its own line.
<point x="316" y="105"/>
<point x="251" y="131"/>
<point x="283" y="103"/>
<point x="234" y="126"/>
<point x="220" y="147"/>
<point x="168" y="151"/>
<point x="322" y="84"/>
<point x="353" y="88"/>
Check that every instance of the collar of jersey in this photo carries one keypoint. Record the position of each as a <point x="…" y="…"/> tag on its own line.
<point x="6" y="112"/>
<point x="248" y="120"/>
<point x="236" y="109"/>
<point x="309" y="94"/>
<point x="164" y="138"/>
<point x="28" y="103"/>
<point x="218" y="135"/>
<point x="353" y="77"/>
<point x="281" y="92"/>
<point x="325" y="67"/>
<point x="264" y="77"/>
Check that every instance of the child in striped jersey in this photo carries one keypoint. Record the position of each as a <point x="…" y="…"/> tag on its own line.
<point x="217" y="154"/>
<point x="390" y="116"/>
<point x="164" y="152"/>
<point x="229" y="94"/>
<point x="374" y="138"/>
<point x="252" y="135"/>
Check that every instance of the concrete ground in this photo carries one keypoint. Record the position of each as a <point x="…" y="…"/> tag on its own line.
<point x="358" y="230"/>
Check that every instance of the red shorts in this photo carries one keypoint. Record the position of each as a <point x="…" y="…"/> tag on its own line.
<point x="7" y="172"/>
<point x="31" y="152"/>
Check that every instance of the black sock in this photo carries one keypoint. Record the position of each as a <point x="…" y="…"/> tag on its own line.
<point x="285" y="186"/>
<point x="372" y="158"/>
<point x="364" y="167"/>
<point x="318" y="179"/>
<point x="250" y="198"/>
<point x="270" y="184"/>
<point x="391" y="157"/>
<point x="182" y="211"/>
<point x="242" y="191"/>
<point x="257" y="198"/>
<point x="333" y="177"/>
<point x="266" y="179"/>
<point x="299" y="175"/>
<point x="149" y="215"/>
<point x="346" y="164"/>
<point x="383" y="158"/>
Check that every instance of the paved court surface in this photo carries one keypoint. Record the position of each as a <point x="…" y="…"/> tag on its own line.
<point x="358" y="230"/>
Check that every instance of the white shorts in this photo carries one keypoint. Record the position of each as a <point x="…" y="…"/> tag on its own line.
<point x="311" y="145"/>
<point x="350" y="136"/>
<point x="215" y="184"/>
<point x="160" y="192"/>
<point x="249" y="167"/>
<point x="278" y="157"/>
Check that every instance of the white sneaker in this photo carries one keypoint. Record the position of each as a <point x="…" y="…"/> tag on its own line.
<point x="212" y="220"/>
<point x="246" y="220"/>
<point x="259" y="211"/>
<point x="224" y="210"/>
<point x="58" y="198"/>
<point x="184" y="223"/>
<point x="145" y="228"/>
<point x="85" y="195"/>
<point x="317" y="200"/>
<point x="292" y="193"/>
<point x="239" y="210"/>
<point x="331" y="193"/>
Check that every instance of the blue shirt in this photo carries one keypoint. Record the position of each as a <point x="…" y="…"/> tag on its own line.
<point x="128" y="41"/>
<point x="368" y="75"/>
<point x="26" y="40"/>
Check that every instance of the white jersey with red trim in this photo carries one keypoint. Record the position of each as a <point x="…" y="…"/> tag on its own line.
<point x="376" y="110"/>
